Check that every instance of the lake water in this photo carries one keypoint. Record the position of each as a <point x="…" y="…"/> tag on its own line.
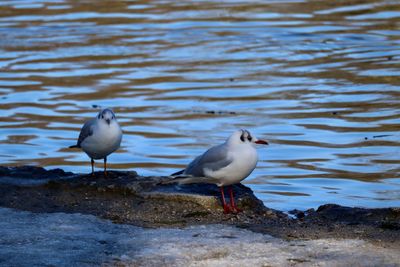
<point x="318" y="79"/>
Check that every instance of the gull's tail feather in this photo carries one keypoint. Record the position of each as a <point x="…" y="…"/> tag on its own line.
<point x="191" y="180"/>
<point x="178" y="173"/>
<point x="74" y="146"/>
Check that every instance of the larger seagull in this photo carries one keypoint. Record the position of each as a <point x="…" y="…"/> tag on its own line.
<point x="99" y="137"/>
<point x="224" y="165"/>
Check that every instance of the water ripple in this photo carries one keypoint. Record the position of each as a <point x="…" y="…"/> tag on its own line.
<point x="319" y="80"/>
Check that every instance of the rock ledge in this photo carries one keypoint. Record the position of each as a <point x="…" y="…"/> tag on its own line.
<point x="126" y="197"/>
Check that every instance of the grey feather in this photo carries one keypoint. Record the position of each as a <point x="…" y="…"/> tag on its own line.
<point x="86" y="131"/>
<point x="214" y="159"/>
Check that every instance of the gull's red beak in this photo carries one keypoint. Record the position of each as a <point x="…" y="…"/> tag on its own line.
<point x="261" y="142"/>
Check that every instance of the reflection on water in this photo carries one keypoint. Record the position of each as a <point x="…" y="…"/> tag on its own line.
<point x="318" y="79"/>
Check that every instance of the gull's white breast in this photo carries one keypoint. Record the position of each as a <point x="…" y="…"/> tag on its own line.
<point x="104" y="140"/>
<point x="244" y="160"/>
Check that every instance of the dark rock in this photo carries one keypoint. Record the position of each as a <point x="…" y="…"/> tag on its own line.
<point x="298" y="213"/>
<point x="125" y="197"/>
<point x="354" y="216"/>
<point x="32" y="172"/>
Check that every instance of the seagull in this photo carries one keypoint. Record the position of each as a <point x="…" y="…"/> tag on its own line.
<point x="224" y="165"/>
<point x="99" y="137"/>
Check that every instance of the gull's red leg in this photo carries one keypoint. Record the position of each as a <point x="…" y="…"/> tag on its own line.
<point x="227" y="209"/>
<point x="233" y="205"/>
<point x="92" y="162"/>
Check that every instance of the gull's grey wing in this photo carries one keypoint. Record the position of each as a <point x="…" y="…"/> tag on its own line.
<point x="214" y="159"/>
<point x="85" y="131"/>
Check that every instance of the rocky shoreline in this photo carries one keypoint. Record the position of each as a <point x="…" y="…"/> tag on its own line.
<point x="125" y="197"/>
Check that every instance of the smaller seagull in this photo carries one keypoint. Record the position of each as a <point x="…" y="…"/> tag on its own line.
<point x="100" y="137"/>
<point x="224" y="165"/>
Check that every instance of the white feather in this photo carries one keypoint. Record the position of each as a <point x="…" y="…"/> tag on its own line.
<point x="226" y="164"/>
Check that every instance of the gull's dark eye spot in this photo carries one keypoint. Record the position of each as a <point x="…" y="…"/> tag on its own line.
<point x="249" y="138"/>
<point x="102" y="116"/>
<point x="242" y="138"/>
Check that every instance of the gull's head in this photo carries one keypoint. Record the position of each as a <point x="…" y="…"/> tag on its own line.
<point x="106" y="115"/>
<point x="245" y="137"/>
